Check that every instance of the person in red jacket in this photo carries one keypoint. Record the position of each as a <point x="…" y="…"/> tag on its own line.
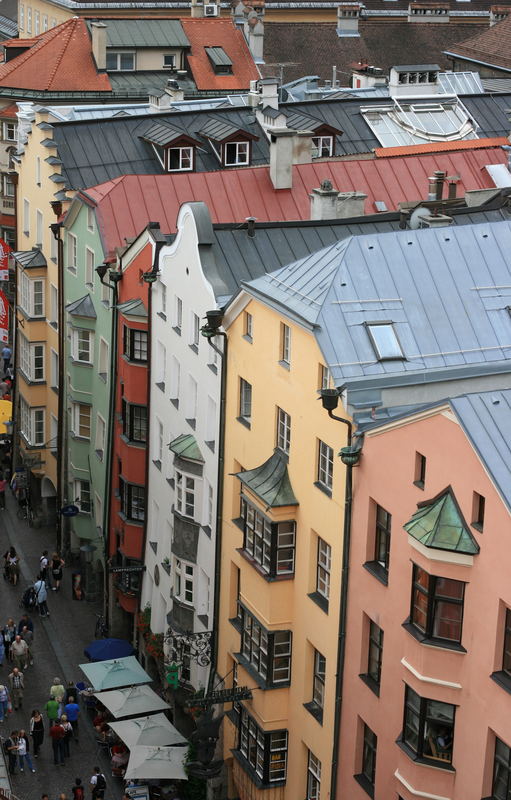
<point x="57" y="734"/>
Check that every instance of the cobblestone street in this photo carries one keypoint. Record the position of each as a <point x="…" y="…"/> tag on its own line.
<point x="59" y="641"/>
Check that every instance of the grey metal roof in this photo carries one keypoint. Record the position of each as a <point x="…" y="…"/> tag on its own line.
<point x="133" y="308"/>
<point x="218" y="57"/>
<point x="144" y="33"/>
<point x="219" y="129"/>
<point x="162" y="134"/>
<point x="496" y="84"/>
<point x="238" y="257"/>
<point x="143" y="84"/>
<point x="446" y="291"/>
<point x="490" y="112"/>
<point x="8" y="27"/>
<point x="83" y="307"/>
<point x="486" y="419"/>
<point x="29" y="259"/>
<point x="270" y="481"/>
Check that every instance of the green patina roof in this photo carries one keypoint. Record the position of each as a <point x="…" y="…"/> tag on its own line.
<point x="439" y="523"/>
<point x="270" y="482"/>
<point x="185" y="446"/>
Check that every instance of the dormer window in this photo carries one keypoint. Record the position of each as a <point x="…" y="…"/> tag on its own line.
<point x="169" y="61"/>
<point x="384" y="341"/>
<point x="180" y="159"/>
<point x="236" y="154"/>
<point x="231" y="145"/>
<point x="322" y="146"/>
<point x="219" y="60"/>
<point x="174" y="149"/>
<point x="120" y="62"/>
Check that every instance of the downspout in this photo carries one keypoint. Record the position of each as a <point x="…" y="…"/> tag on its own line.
<point x="210" y="330"/>
<point x="62" y="532"/>
<point x="114" y="276"/>
<point x="15" y="399"/>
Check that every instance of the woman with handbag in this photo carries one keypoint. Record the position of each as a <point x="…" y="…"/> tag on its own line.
<point x="37" y="730"/>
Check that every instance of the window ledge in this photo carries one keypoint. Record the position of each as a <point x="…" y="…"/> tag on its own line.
<point x="99" y="454"/>
<point x="55" y="389"/>
<point x="370" y="683"/>
<point x="194" y="347"/>
<point x="175" y="401"/>
<point x="78" y="438"/>
<point x="285" y="365"/>
<point x="133" y="442"/>
<point x="441" y="644"/>
<point x="162" y="315"/>
<point x="247" y="338"/>
<point x="419" y="484"/>
<point x="211" y="445"/>
<point x="54" y="325"/>
<point x="207" y="530"/>
<point x="477" y="526"/>
<point x="254" y="777"/>
<point x="161" y="386"/>
<point x="171" y="482"/>
<point x="287" y="576"/>
<point x="103" y="376"/>
<point x="379" y="572"/>
<point x="236" y="623"/>
<point x="244" y="421"/>
<point x="135" y="362"/>
<point x="239" y="522"/>
<point x="323" y="488"/>
<point x="315" y="711"/>
<point x="192" y="423"/>
<point x="502" y="679"/>
<point x="176" y="330"/>
<point x="320" y="601"/>
<point x="445" y="766"/>
<point x="77" y="363"/>
<point x="138" y="522"/>
<point x="365" y="783"/>
<point x="213" y="368"/>
<point x="157" y="464"/>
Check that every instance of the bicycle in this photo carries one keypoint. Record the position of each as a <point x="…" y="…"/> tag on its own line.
<point x="25" y="512"/>
<point x="101" y="630"/>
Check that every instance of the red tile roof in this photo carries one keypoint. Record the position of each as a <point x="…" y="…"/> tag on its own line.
<point x="440" y="147"/>
<point x="9" y="111"/>
<point x="58" y="60"/>
<point x="127" y="204"/>
<point x="204" y="33"/>
<point x="492" y="46"/>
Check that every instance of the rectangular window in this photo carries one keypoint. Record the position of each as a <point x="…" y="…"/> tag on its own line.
<point x="132" y="501"/>
<point x="318" y="680"/>
<point x="323" y="568"/>
<point x="71" y="251"/>
<point x="179" y="159"/>
<point x="419" y="477"/>
<point x="83" y="496"/>
<point x="384" y="340"/>
<point x="236" y="153"/>
<point x="158" y="442"/>
<point x="375" y="653"/>
<point x="245" y="406"/>
<point x="322" y="146"/>
<point x="81" y="420"/>
<point x="22" y="17"/>
<point x="269" y="653"/>
<point x="369" y="755"/>
<point x="54" y="369"/>
<point x="248" y="326"/>
<point x="8" y="186"/>
<point x="89" y="267"/>
<point x="169" y="60"/>
<point x="134" y="422"/>
<point x="324" y="377"/>
<point x="184" y="581"/>
<point x="478" y="504"/>
<point x="103" y="359"/>
<point x="100" y="436"/>
<point x="285" y="344"/>
<point x="185" y="488"/>
<point x="120" y="62"/>
<point x="313" y="776"/>
<point x="191" y="401"/>
<point x="26" y="217"/>
<point x="178" y="314"/>
<point x="31" y="359"/>
<point x="83" y="345"/>
<point x="195" y="332"/>
<point x="175" y="380"/>
<point x="265" y="752"/>
<point x="283" y="430"/>
<point x="31" y="295"/>
<point x="506" y="658"/>
<point x="437" y="606"/>
<point x="325" y="465"/>
<point x="382" y="537"/>
<point x="29" y="19"/>
<point x="45" y="22"/>
<point x="135" y="344"/>
<point x="90" y="219"/>
<point x="37" y="28"/>
<point x="39" y="228"/>
<point x="428" y="728"/>
<point x="10" y="133"/>
<point x="163" y="299"/>
<point x="32" y="424"/>
<point x="501" y="771"/>
<point x="270" y="544"/>
<point x="54" y="306"/>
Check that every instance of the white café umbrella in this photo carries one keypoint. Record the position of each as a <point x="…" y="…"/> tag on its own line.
<point x="116" y="672"/>
<point x="153" y="730"/>
<point x="157" y="763"/>
<point x="131" y="701"/>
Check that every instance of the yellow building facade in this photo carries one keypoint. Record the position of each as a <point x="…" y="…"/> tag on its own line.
<point x="282" y="538"/>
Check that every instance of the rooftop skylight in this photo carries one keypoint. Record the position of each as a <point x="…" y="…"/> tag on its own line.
<point x="384" y="340"/>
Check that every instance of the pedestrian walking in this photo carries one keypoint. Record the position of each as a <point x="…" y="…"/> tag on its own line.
<point x="11" y="748"/>
<point x="72" y="710"/>
<point x="57" y="689"/>
<point x="56" y="736"/>
<point x="24" y="751"/>
<point x="52" y="710"/>
<point x="97" y="784"/>
<point x="6" y="355"/>
<point x="25" y="622"/>
<point x="19" y="653"/>
<point x="28" y="636"/>
<point x="77" y="790"/>
<point x="17" y="684"/>
<point x="4" y="388"/>
<point x="37" y="731"/>
<point x="41" y="597"/>
<point x="71" y="691"/>
<point x="3" y="487"/>
<point x="8" y="633"/>
<point x="4" y="702"/>
<point x="68" y="735"/>
<point x="44" y="568"/>
<point x="12" y="565"/>
<point x="2" y="650"/>
<point x="56" y="570"/>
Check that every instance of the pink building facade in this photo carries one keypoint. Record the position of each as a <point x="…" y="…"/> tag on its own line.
<point x="427" y="680"/>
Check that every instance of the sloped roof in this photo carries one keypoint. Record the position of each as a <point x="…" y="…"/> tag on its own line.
<point x="424" y="282"/>
<point x="306" y="48"/>
<point x="203" y="33"/>
<point x="489" y="46"/>
<point x="185" y="446"/>
<point x="59" y="60"/>
<point x="218" y="129"/>
<point x="439" y="524"/>
<point x="83" y="307"/>
<point x="486" y="419"/>
<point x="126" y="204"/>
<point x="144" y="33"/>
<point x="29" y="259"/>
<point x="270" y="481"/>
<point x="133" y="308"/>
<point x="164" y="134"/>
<point x="9" y="111"/>
<point x="440" y="147"/>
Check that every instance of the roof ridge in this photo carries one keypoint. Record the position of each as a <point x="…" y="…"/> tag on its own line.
<point x="63" y="49"/>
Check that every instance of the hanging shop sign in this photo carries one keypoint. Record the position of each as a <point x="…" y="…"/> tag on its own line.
<point x="4" y="318"/>
<point x="4" y="260"/>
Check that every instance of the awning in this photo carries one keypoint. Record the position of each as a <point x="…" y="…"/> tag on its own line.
<point x="160" y="763"/>
<point x="131" y="701"/>
<point x="107" y="649"/>
<point x="118" y="672"/>
<point x="152" y="731"/>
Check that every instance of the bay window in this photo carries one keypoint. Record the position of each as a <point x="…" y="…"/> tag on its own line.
<point x="264" y="752"/>
<point x="271" y="545"/>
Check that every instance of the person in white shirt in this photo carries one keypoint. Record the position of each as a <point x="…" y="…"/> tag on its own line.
<point x="23" y="751"/>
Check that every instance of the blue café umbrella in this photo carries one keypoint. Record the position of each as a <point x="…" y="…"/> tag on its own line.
<point x="106" y="649"/>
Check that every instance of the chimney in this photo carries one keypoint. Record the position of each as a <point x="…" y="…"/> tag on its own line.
<point x="269" y="89"/>
<point x="238" y="13"/>
<point x="197" y="9"/>
<point x="428" y="12"/>
<point x="452" y="182"/>
<point x="497" y="14"/>
<point x="324" y="201"/>
<point x="348" y="15"/>
<point x="302" y="147"/>
<point x="98" y="32"/>
<point x="256" y="37"/>
<point x="281" y="157"/>
<point x="432" y="187"/>
<point x="440" y="177"/>
<point x="350" y="204"/>
<point x="414" y="80"/>
<point x="253" y="97"/>
<point x="435" y="220"/>
<point x="171" y="94"/>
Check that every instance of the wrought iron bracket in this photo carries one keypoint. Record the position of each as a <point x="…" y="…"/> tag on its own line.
<point x="195" y="646"/>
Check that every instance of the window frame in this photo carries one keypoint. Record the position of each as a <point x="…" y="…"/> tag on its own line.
<point x="419" y="710"/>
<point x="239" y="145"/>
<point x="78" y="427"/>
<point x="32" y="360"/>
<point x="245" y="402"/>
<point x="78" y="338"/>
<point x="130" y="426"/>
<point x="186" y="155"/>
<point x="283" y="437"/>
<point x="186" y="497"/>
<point x="132" y="349"/>
<point x="6" y="125"/>
<point x="71" y="251"/>
<point x="318" y="680"/>
<point x="130" y="494"/>
<point x="506" y="645"/>
<point x="325" y="466"/>
<point x="118" y="56"/>
<point x="313" y="776"/>
<point x="285" y="345"/>
<point x="267" y="653"/>
<point x="184" y="582"/>
<point x="28" y="288"/>
<point x="380" y="356"/>
<point x="323" y="572"/>
<point x="369" y="755"/>
<point x="319" y="142"/>
<point x="255" y="747"/>
<point x="85" y="507"/>
<point x="32" y="423"/>
<point x="505" y="763"/>
<point x="433" y="600"/>
<point x="261" y="541"/>
<point x="382" y="537"/>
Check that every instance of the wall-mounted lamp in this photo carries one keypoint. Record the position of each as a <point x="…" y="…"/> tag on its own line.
<point x="214" y="319"/>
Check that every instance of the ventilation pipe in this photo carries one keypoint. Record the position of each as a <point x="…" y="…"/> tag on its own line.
<point x="324" y="201"/>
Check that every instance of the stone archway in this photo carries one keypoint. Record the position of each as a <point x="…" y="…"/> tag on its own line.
<point x="48" y="501"/>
